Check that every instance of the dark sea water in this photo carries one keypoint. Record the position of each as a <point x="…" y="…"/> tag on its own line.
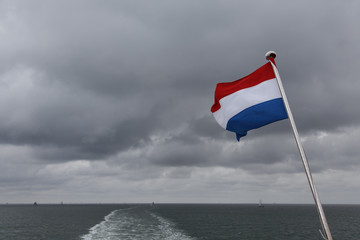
<point x="175" y="221"/>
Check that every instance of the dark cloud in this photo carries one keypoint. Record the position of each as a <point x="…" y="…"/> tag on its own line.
<point x="118" y="94"/>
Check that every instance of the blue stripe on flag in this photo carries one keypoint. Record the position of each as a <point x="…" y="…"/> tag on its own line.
<point x="257" y="116"/>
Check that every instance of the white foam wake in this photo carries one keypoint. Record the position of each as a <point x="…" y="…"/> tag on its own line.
<point x="168" y="230"/>
<point x="97" y="230"/>
<point x="135" y="224"/>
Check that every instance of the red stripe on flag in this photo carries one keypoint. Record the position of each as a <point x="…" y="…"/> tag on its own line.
<point x="260" y="75"/>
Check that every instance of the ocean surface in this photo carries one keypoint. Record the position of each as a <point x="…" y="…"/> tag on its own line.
<point x="175" y="221"/>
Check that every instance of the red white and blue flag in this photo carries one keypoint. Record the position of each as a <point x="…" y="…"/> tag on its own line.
<point x="250" y="102"/>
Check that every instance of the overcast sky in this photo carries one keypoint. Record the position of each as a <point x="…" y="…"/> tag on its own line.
<point x="109" y="101"/>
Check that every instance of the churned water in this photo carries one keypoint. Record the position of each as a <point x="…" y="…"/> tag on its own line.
<point x="135" y="223"/>
<point x="175" y="221"/>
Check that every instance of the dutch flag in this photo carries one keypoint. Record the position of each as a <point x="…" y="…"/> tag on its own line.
<point x="250" y="102"/>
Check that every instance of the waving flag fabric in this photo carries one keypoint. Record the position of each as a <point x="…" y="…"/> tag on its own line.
<point x="249" y="103"/>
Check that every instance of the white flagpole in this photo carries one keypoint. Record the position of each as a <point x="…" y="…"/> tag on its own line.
<point x="321" y="213"/>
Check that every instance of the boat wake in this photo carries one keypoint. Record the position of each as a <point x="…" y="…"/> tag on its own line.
<point x="135" y="223"/>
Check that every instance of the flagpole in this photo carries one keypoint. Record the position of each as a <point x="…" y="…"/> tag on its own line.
<point x="321" y="213"/>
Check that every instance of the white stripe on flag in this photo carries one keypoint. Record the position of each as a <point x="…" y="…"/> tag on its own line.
<point x="238" y="101"/>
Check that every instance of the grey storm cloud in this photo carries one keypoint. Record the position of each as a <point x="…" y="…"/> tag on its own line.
<point x="120" y="92"/>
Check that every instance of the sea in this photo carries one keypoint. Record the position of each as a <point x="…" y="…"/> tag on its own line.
<point x="175" y="222"/>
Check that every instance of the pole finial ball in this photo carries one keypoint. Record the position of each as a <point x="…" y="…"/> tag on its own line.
<point x="270" y="54"/>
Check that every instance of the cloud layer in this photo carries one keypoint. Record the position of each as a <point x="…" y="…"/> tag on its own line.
<point x="110" y="101"/>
